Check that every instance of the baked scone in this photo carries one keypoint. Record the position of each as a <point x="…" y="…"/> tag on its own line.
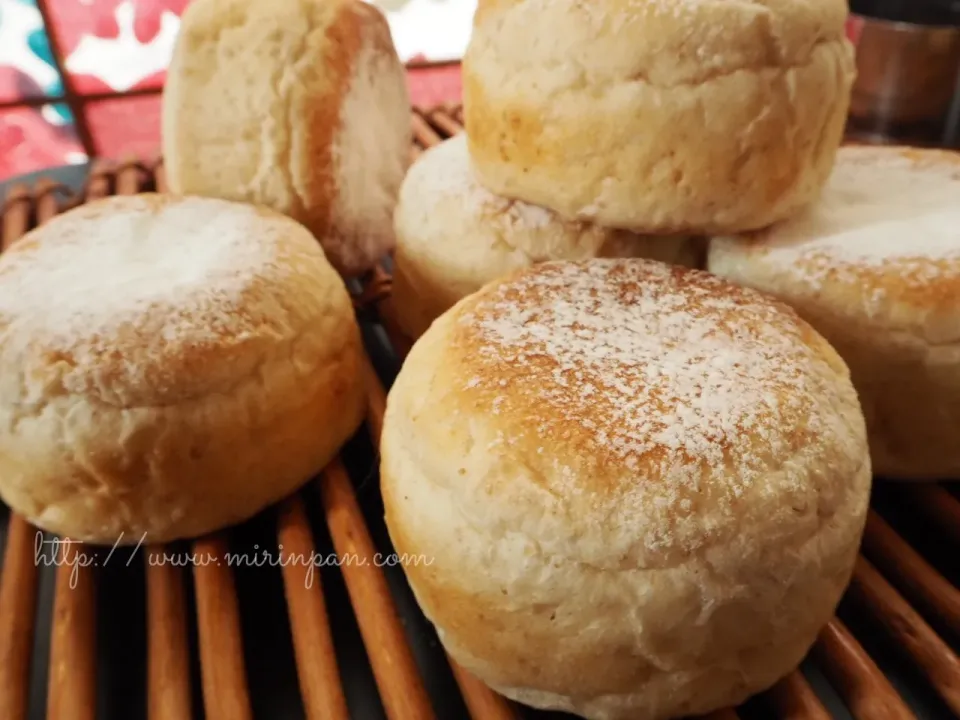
<point x="661" y="117"/>
<point x="875" y="267"/>
<point x="641" y="489"/>
<point x="169" y="366"/>
<point x="298" y="105"/>
<point x="454" y="236"/>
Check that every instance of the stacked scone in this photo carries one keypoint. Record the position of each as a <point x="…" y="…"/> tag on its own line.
<point x="642" y="487"/>
<point x="453" y="236"/>
<point x="620" y="130"/>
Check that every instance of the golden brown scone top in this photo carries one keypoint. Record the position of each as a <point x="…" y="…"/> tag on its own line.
<point x="636" y="384"/>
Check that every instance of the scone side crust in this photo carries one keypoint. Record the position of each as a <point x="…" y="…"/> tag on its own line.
<point x="499" y="601"/>
<point x="375" y="103"/>
<point x="759" y="159"/>
<point x="315" y="104"/>
<point x="288" y="116"/>
<point x="179" y="471"/>
<point x="335" y="43"/>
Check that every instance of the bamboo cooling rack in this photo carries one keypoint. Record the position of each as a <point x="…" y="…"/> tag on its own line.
<point x="140" y="639"/>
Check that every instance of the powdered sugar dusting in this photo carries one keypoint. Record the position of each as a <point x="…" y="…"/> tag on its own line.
<point x="446" y="175"/>
<point x="651" y="364"/>
<point x="101" y="267"/>
<point x="882" y="209"/>
<point x="156" y="274"/>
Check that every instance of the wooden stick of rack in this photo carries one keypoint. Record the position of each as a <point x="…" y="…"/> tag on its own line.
<point x="71" y="683"/>
<point x="424" y="133"/>
<point x="316" y="657"/>
<point x="935" y="659"/>
<point x="222" y="668"/>
<point x="939" y="506"/>
<point x="864" y="689"/>
<point x="794" y="699"/>
<point x="402" y="691"/>
<point x="914" y="575"/>
<point x="18" y="614"/>
<point x="20" y="572"/>
<point x="168" y="657"/>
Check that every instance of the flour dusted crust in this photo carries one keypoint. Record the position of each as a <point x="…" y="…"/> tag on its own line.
<point x="642" y="489"/>
<point x="454" y="236"/>
<point x="299" y="105"/>
<point x="169" y="366"/>
<point x="875" y="267"/>
<point x="658" y="115"/>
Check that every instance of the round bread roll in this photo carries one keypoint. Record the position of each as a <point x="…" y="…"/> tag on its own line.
<point x="875" y="267"/>
<point x="454" y="236"/>
<point x="675" y="117"/>
<point x="634" y="490"/>
<point x="298" y="105"/>
<point x="169" y="366"/>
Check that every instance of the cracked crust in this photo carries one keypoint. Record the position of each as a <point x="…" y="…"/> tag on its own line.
<point x="274" y="103"/>
<point x="697" y="117"/>
<point x="454" y="236"/>
<point x="641" y="489"/>
<point x="198" y="360"/>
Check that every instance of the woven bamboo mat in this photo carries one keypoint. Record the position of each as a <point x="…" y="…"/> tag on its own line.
<point x="127" y="637"/>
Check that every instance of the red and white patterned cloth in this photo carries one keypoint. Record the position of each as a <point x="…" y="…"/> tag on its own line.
<point x="114" y="51"/>
<point x="115" y="45"/>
